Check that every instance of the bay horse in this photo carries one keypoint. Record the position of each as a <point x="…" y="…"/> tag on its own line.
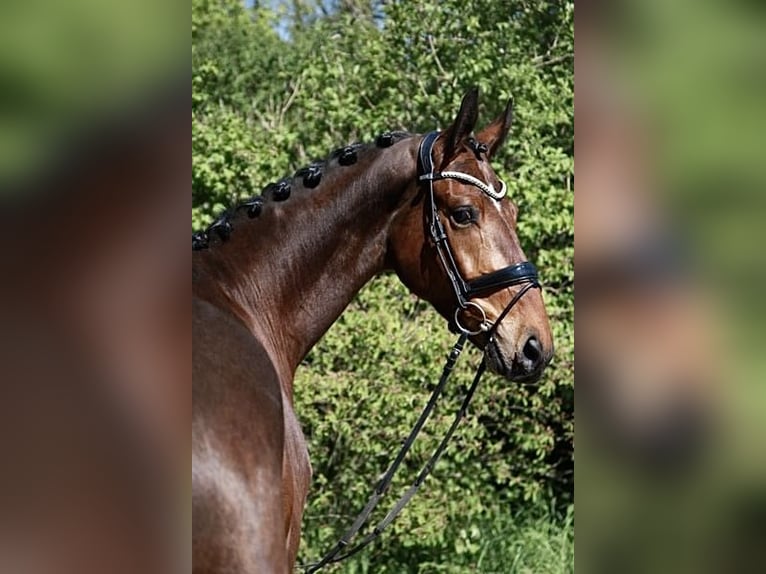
<point x="271" y="276"/>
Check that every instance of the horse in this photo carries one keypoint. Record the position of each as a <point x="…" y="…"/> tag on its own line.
<point x="273" y="274"/>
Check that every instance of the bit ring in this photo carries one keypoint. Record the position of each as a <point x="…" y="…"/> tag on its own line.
<point x="483" y="324"/>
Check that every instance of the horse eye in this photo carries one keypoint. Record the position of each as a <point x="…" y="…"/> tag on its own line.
<point x="463" y="215"/>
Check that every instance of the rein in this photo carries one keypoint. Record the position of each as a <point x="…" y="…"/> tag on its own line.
<point x="523" y="273"/>
<point x="339" y="552"/>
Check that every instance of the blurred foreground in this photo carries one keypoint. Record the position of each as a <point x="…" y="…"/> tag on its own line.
<point x="671" y="470"/>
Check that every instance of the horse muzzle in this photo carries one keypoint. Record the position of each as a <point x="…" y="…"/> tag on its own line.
<point x="525" y="365"/>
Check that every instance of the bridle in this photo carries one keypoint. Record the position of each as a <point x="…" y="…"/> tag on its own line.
<point x="524" y="274"/>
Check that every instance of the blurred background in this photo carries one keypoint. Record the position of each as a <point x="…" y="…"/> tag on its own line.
<point x="276" y="84"/>
<point x="670" y="218"/>
<point x="66" y="68"/>
<point x="94" y="308"/>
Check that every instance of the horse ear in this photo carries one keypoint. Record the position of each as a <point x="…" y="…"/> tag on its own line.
<point x="495" y="133"/>
<point x="462" y="127"/>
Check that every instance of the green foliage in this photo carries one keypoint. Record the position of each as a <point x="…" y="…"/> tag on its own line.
<point x="360" y="392"/>
<point x="273" y="88"/>
<point x="533" y="542"/>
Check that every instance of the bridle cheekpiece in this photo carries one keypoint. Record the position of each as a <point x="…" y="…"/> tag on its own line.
<point x="523" y="273"/>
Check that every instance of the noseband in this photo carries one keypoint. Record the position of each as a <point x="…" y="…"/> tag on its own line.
<point x="523" y="273"/>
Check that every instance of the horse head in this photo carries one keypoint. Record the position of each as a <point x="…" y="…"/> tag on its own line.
<point x="455" y="245"/>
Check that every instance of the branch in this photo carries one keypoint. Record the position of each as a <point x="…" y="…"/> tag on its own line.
<point x="540" y="63"/>
<point x="289" y="101"/>
<point x="436" y="57"/>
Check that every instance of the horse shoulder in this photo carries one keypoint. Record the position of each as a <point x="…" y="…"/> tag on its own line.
<point x="237" y="449"/>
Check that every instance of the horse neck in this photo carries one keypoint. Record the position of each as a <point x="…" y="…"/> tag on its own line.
<point x="290" y="272"/>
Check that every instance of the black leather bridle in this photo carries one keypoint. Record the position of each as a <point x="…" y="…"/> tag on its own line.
<point x="524" y="274"/>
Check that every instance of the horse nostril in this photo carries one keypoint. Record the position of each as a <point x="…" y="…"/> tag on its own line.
<point x="533" y="353"/>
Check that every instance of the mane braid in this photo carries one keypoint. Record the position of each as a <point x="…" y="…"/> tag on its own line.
<point x="309" y="176"/>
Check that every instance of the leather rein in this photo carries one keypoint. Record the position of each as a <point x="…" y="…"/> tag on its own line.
<point x="524" y="274"/>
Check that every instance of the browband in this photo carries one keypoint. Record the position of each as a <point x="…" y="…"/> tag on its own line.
<point x="427" y="171"/>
